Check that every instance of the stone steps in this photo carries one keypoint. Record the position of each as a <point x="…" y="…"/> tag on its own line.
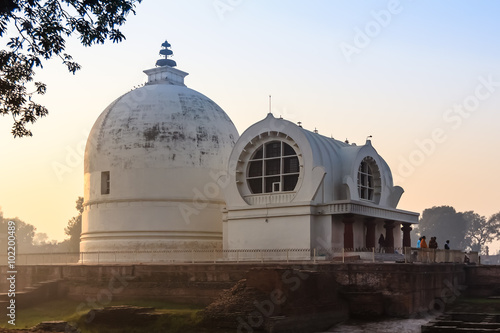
<point x="35" y="294"/>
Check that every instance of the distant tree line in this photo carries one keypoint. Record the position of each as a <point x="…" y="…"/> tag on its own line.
<point x="30" y="241"/>
<point x="465" y="230"/>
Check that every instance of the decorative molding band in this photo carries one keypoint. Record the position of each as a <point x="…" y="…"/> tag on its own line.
<point x="371" y="211"/>
<point x="151" y="235"/>
<point x="166" y="200"/>
<point x="271" y="198"/>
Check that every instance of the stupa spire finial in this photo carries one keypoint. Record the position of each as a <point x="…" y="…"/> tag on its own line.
<point x="165" y="51"/>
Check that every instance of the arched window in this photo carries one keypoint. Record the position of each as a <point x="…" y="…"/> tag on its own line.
<point x="274" y="167"/>
<point x="366" y="188"/>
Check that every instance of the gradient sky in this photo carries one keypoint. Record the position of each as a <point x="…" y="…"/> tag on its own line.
<point x="421" y="77"/>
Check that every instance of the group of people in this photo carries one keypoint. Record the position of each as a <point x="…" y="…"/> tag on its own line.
<point x="422" y="243"/>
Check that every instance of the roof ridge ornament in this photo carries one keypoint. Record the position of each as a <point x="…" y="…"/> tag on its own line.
<point x="165" y="51"/>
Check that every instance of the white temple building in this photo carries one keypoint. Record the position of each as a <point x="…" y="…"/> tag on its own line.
<point x="293" y="188"/>
<point x="166" y="169"/>
<point x="146" y="157"/>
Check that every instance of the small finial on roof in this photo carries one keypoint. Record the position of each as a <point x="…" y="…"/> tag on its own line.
<point x="299" y="123"/>
<point x="166" y="52"/>
<point x="346" y="141"/>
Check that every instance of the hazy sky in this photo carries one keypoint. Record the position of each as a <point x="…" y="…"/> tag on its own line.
<point x="421" y="77"/>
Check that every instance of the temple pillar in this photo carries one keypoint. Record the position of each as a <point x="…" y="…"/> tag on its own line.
<point x="406" y="234"/>
<point x="389" y="236"/>
<point x="370" y="232"/>
<point x="348" y="233"/>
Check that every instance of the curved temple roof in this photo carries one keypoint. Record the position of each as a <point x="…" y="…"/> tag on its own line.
<point x="325" y="161"/>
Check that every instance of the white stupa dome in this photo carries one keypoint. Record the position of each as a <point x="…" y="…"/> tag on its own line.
<point x="151" y="165"/>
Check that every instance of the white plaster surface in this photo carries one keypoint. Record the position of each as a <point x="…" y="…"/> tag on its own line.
<point x="165" y="147"/>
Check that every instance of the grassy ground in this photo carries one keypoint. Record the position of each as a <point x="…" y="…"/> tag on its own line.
<point x="175" y="317"/>
<point x="475" y="305"/>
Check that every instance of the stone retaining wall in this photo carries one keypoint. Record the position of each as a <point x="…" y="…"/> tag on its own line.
<point x="399" y="289"/>
<point x="390" y="289"/>
<point x="483" y="281"/>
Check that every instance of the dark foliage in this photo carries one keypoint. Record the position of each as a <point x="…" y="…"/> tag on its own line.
<point x="443" y="222"/>
<point x="39" y="30"/>
<point x="481" y="230"/>
<point x="465" y="230"/>
<point x="74" y="228"/>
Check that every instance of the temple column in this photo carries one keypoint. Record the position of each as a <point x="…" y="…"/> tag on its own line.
<point x="348" y="233"/>
<point x="389" y="236"/>
<point x="370" y="232"/>
<point x="406" y="234"/>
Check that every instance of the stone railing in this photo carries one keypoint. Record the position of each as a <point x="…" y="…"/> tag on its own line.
<point x="427" y="255"/>
<point x="169" y="256"/>
<point x="269" y="198"/>
<point x="406" y="255"/>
